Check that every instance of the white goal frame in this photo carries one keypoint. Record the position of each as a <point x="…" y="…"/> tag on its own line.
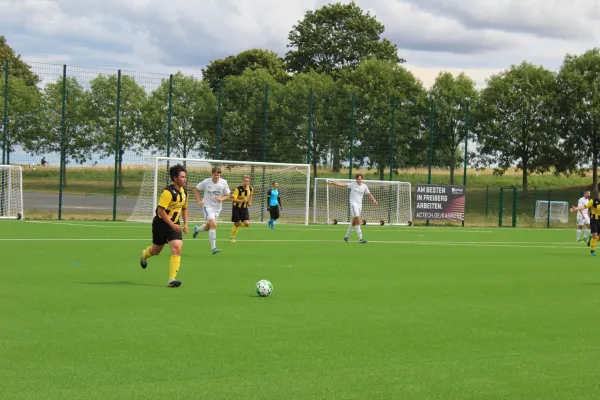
<point x="303" y="168"/>
<point x="7" y="210"/>
<point x="369" y="183"/>
<point x="541" y="207"/>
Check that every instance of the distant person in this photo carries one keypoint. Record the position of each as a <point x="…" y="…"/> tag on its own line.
<point x="44" y="162"/>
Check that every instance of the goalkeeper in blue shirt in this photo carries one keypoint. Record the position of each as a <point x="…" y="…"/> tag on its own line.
<point x="274" y="204"/>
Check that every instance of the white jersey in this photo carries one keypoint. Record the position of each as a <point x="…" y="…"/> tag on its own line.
<point x="358" y="192"/>
<point x="213" y="190"/>
<point x="583" y="201"/>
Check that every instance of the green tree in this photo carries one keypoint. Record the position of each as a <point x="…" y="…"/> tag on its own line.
<point x="253" y="59"/>
<point x="335" y="37"/>
<point x="578" y="83"/>
<point x="515" y="120"/>
<point x="17" y="67"/>
<point x="243" y="120"/>
<point x="451" y="96"/>
<point x="330" y="117"/>
<point x="102" y="109"/>
<point x="375" y="82"/>
<point x="78" y="140"/>
<point x="193" y="118"/>
<point x="23" y="123"/>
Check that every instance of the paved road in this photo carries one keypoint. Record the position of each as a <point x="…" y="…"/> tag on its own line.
<point x="76" y="203"/>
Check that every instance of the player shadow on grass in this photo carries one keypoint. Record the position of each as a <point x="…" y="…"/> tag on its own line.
<point x="121" y="283"/>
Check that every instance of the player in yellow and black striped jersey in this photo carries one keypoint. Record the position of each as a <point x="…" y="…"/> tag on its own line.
<point x="594" y="206"/>
<point x="242" y="200"/>
<point x="172" y="207"/>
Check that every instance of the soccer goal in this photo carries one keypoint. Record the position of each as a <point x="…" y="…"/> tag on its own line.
<point x="11" y="192"/>
<point x="293" y="179"/>
<point x="331" y="204"/>
<point x="559" y="211"/>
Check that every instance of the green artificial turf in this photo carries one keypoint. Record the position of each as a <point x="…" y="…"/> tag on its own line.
<point x="416" y="313"/>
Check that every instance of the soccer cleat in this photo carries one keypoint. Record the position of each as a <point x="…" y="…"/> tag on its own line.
<point x="196" y="230"/>
<point x="143" y="261"/>
<point x="346" y="239"/>
<point x="215" y="251"/>
<point x="593" y="253"/>
<point x="174" y="283"/>
<point x="362" y="241"/>
<point x="232" y="240"/>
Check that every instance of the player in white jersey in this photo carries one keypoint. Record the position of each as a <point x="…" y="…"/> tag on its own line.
<point x="583" y="218"/>
<point x="216" y="190"/>
<point x="358" y="190"/>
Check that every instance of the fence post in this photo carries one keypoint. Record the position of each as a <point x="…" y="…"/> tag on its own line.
<point x="5" y="118"/>
<point x="266" y="121"/>
<point x="534" y="202"/>
<point x="117" y="144"/>
<point x="500" y="207"/>
<point x="431" y="132"/>
<point x="515" y="207"/>
<point x="62" y="141"/>
<point x="310" y="115"/>
<point x="549" y="209"/>
<point x="393" y="142"/>
<point x="219" y="112"/>
<point x="487" y="200"/>
<point x="352" y="136"/>
<point x="467" y="128"/>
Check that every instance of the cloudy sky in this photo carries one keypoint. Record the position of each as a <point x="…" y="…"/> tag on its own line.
<point x="478" y="37"/>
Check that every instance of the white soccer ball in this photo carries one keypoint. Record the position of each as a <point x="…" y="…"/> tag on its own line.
<point x="264" y="288"/>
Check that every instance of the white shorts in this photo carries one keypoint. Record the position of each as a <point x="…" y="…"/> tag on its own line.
<point x="355" y="209"/>
<point x="585" y="220"/>
<point x="209" y="213"/>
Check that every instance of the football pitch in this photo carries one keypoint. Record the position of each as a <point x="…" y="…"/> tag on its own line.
<point x="415" y="313"/>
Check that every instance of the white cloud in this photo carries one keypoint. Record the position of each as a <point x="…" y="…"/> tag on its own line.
<point x="479" y="38"/>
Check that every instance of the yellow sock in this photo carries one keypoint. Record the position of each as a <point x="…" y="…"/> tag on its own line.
<point x="593" y="244"/>
<point x="234" y="231"/>
<point x="147" y="252"/>
<point x="174" y="266"/>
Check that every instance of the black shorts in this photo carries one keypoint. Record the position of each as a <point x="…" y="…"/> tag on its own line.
<point x="594" y="225"/>
<point x="240" y="214"/>
<point x="274" y="211"/>
<point x="163" y="233"/>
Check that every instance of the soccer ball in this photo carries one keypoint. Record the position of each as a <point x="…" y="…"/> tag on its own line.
<point x="264" y="288"/>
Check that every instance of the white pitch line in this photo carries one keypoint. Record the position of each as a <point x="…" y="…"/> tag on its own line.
<point x="479" y="244"/>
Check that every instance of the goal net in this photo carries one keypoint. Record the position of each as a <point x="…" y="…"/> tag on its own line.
<point x="331" y="204"/>
<point x="293" y="179"/>
<point x="11" y="192"/>
<point x="559" y="211"/>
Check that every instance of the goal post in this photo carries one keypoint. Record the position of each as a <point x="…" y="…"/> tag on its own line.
<point x="559" y="211"/>
<point x="293" y="179"/>
<point x="11" y="192"/>
<point x="331" y="204"/>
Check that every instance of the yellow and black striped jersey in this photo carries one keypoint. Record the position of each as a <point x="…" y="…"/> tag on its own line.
<point x="241" y="193"/>
<point x="173" y="201"/>
<point x="594" y="206"/>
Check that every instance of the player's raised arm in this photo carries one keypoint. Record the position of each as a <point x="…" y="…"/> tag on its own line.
<point x="339" y="184"/>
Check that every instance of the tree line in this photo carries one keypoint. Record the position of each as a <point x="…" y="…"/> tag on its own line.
<point x="340" y="95"/>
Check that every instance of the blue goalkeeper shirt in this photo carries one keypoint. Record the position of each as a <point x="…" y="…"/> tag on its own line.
<point x="274" y="199"/>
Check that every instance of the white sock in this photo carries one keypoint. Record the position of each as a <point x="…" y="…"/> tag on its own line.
<point x="212" y="235"/>
<point x="349" y="230"/>
<point x="587" y="233"/>
<point x="358" y="232"/>
<point x="578" y="234"/>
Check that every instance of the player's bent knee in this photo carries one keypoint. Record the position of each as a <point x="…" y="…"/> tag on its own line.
<point x="246" y="223"/>
<point x="176" y="246"/>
